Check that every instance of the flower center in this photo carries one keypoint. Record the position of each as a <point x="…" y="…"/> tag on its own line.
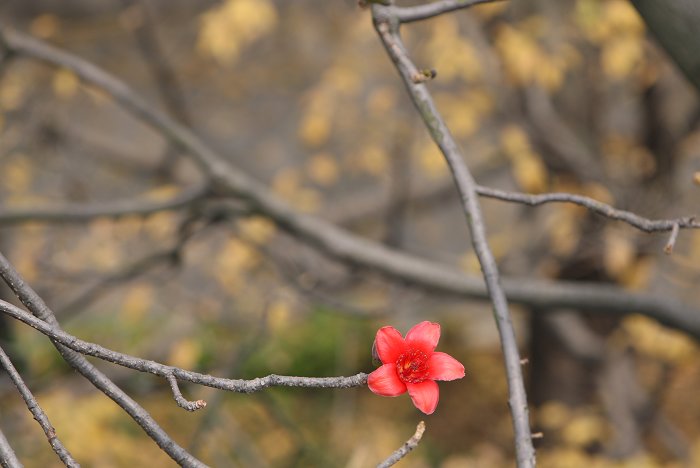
<point x="412" y="366"/>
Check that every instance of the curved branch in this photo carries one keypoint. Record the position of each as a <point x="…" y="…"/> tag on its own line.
<point x="36" y="411"/>
<point x="181" y="401"/>
<point x="388" y="29"/>
<point x="634" y="220"/>
<point x="352" y="249"/>
<point x="82" y="212"/>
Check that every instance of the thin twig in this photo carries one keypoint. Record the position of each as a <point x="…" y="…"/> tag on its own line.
<point x="387" y="26"/>
<point x="180" y="400"/>
<point x="409" y="445"/>
<point x="668" y="248"/>
<point x="36" y="411"/>
<point x="162" y="370"/>
<point x="47" y="319"/>
<point x="595" y="206"/>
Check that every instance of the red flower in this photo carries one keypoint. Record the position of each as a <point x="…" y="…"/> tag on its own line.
<point x="412" y="365"/>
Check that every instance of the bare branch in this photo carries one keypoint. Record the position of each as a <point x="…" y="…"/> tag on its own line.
<point x="83" y="212"/>
<point x="36" y="411"/>
<point x="387" y="28"/>
<point x="47" y="319"/>
<point x="180" y="400"/>
<point x="404" y="450"/>
<point x="162" y="370"/>
<point x="639" y="222"/>
<point x="353" y="249"/>
<point x="8" y="457"/>
<point x="430" y="10"/>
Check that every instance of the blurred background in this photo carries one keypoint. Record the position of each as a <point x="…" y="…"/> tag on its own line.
<point x="542" y="96"/>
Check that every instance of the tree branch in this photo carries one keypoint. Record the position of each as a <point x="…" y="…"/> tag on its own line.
<point x="404" y="450"/>
<point x="387" y="25"/>
<point x="8" y="457"/>
<point x="430" y="10"/>
<point x="162" y="370"/>
<point x="36" y="411"/>
<point x="634" y="220"/>
<point x="352" y="249"/>
<point x="83" y="212"/>
<point x="46" y="318"/>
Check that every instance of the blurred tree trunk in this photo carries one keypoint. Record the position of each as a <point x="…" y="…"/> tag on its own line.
<point x="676" y="26"/>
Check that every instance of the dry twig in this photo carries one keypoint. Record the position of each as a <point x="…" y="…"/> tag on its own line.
<point x="37" y="412"/>
<point x="404" y="450"/>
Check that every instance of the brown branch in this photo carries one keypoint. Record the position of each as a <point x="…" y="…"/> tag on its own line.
<point x="404" y="450"/>
<point x="387" y="25"/>
<point x="36" y="411"/>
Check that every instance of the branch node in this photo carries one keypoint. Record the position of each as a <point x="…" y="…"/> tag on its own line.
<point x="423" y="75"/>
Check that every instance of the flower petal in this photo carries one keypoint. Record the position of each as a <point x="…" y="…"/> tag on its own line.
<point x="425" y="395"/>
<point x="442" y="366"/>
<point x="390" y="345"/>
<point x="385" y="382"/>
<point x="424" y="336"/>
